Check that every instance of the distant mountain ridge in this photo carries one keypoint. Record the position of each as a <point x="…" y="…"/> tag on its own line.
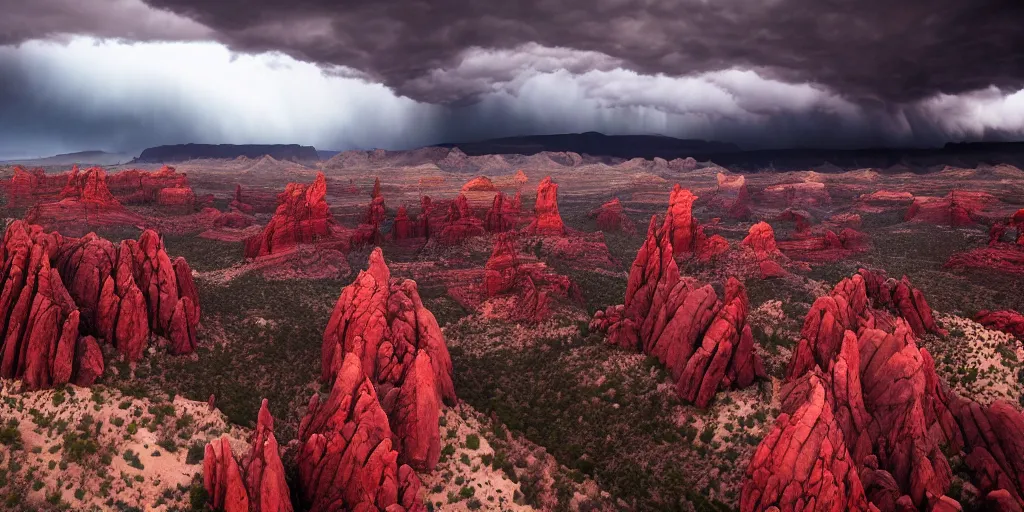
<point x="95" y="157"/>
<point x="596" y="144"/>
<point x="185" y="152"/>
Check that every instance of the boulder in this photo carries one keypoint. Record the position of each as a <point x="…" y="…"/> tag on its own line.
<point x="547" y="221"/>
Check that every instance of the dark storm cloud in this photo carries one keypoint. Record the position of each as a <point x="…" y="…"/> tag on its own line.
<point x="871" y="50"/>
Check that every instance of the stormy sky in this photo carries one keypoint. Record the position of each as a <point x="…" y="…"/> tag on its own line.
<point x="121" y="75"/>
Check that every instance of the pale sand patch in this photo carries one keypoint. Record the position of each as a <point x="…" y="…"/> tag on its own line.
<point x="115" y="429"/>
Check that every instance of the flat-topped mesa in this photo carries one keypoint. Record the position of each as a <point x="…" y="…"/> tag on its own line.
<point x="39" y="321"/>
<point x="957" y="208"/>
<point x="460" y="224"/>
<point x="732" y="195"/>
<point x="254" y="483"/>
<point x="303" y="216"/>
<point x="802" y="194"/>
<point x="349" y="430"/>
<point x="705" y="343"/>
<point x="383" y="323"/>
<point x="479" y="184"/>
<point x="502" y="267"/>
<point x="502" y="216"/>
<point x="136" y="186"/>
<point x="610" y="217"/>
<point x="685" y="232"/>
<point x="547" y="221"/>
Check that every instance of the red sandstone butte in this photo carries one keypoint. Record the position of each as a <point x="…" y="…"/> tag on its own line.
<point x="958" y="208"/>
<point x="460" y="224"/>
<point x="479" y="184"/>
<point x="350" y="430"/>
<point x="685" y="232"/>
<point x="502" y="216"/>
<point x="259" y="486"/>
<point x="383" y="323"/>
<point x="732" y="195"/>
<point x="705" y="343"/>
<point x="302" y="216"/>
<point x="760" y="240"/>
<point x="610" y="217"/>
<point x="547" y="221"/>
<point x="503" y="266"/>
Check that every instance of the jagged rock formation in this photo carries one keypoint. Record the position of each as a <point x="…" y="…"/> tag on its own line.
<point x="1007" y="321"/>
<point x="39" y="321"/>
<point x="368" y="233"/>
<point x="49" y="329"/>
<point x="732" y="196"/>
<point x="705" y="343"/>
<point x="382" y="321"/>
<point x="503" y="266"/>
<point x="503" y="214"/>
<point x="404" y="227"/>
<point x="547" y="222"/>
<point x="259" y="486"/>
<point x="95" y="186"/>
<point x="302" y="216"/>
<point x="868" y="425"/>
<point x="346" y="456"/>
<point x="685" y="232"/>
<point x="958" y="208"/>
<point x="460" y="223"/>
<point x="479" y="184"/>
<point x="610" y="217"/>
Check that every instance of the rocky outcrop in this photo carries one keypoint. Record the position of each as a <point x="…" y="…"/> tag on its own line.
<point x="705" y="343"/>
<point x="29" y="187"/>
<point x="685" y="232"/>
<point x="732" y="196"/>
<point x="39" y="321"/>
<point x="346" y="457"/>
<point x="800" y="218"/>
<point x="376" y="211"/>
<point x="460" y="223"/>
<point x="479" y="184"/>
<point x="136" y="186"/>
<point x="503" y="214"/>
<point x="610" y="217"/>
<point x="547" y="221"/>
<point x="825" y="246"/>
<point x="958" y="208"/>
<point x="255" y="483"/>
<point x="901" y="298"/>
<point x="502" y="268"/>
<point x="182" y="198"/>
<point x="303" y="216"/>
<point x="760" y="241"/>
<point x="887" y="198"/>
<point x="404" y="227"/>
<point x="382" y="321"/>
<point x="876" y="394"/>
<point x="1006" y="321"/>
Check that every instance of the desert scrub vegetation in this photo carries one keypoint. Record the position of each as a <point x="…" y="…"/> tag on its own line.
<point x="259" y="338"/>
<point x="202" y="254"/>
<point x="572" y="395"/>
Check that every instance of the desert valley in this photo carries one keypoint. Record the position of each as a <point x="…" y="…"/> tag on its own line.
<point x="430" y="330"/>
